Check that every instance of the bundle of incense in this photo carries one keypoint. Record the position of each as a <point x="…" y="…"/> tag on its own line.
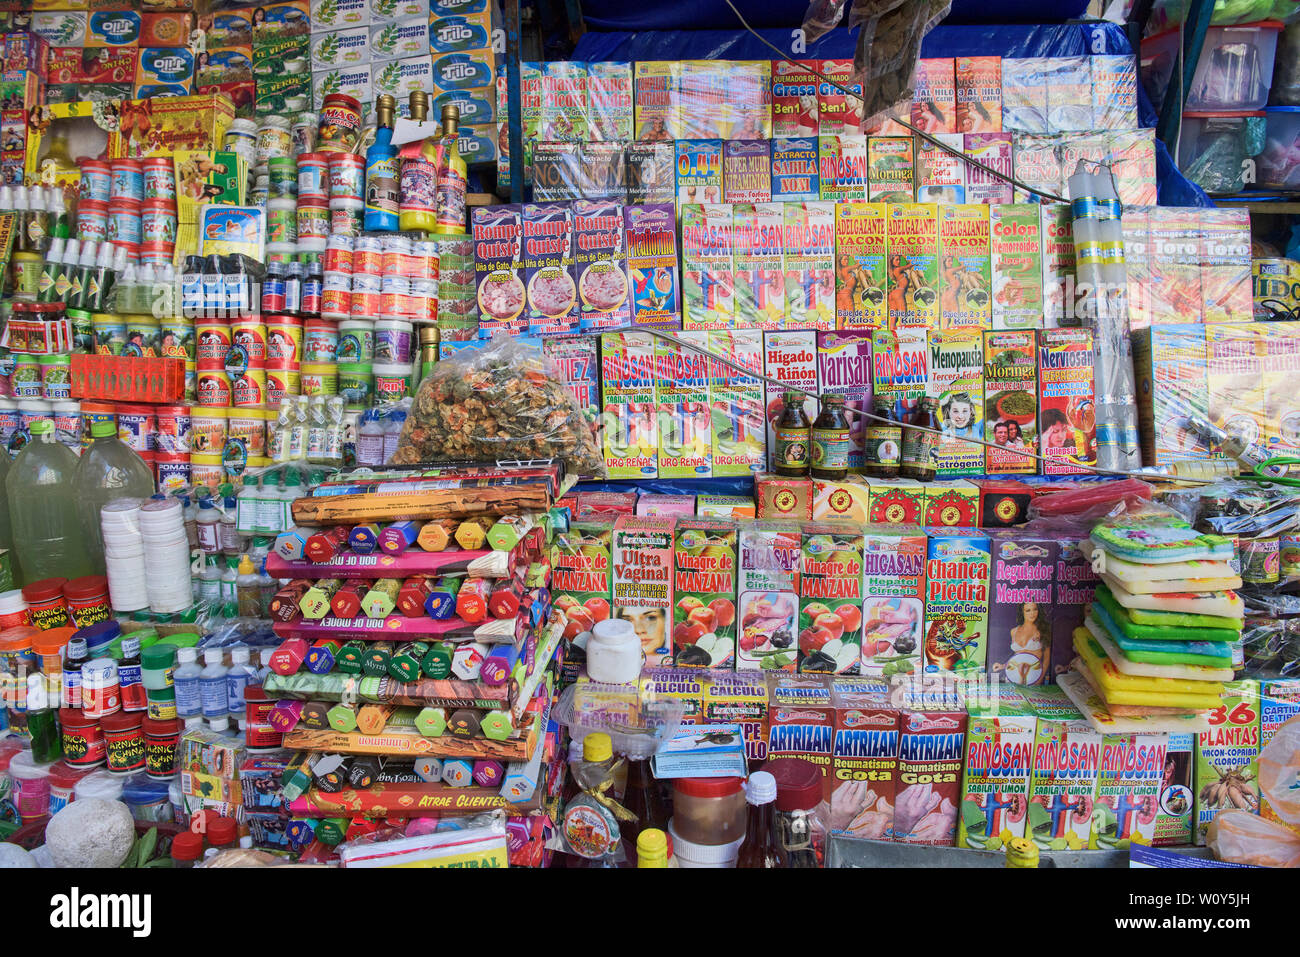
<point x="375" y="660"/>
<point x="458" y="502"/>
<point x="441" y="601"/>
<point x="330" y="773"/>
<point x="348" y="658"/>
<point x="404" y="665"/>
<point x="498" y="664"/>
<point x="346" y="602"/>
<point x="382" y="598"/>
<point x="364" y="538"/>
<point x="315" y="602"/>
<point x="471" y="534"/>
<point x="431" y="722"/>
<point x="471" y="600"/>
<point x="284" y="606"/>
<point x="398" y="537"/>
<point x="488" y="773"/>
<point x="373" y="718"/>
<point x="342" y="717"/>
<point x="284" y="716"/>
<point x="464" y="723"/>
<point x="323" y="545"/>
<point x="296" y="777"/>
<point x="437" y="661"/>
<point x="320" y="657"/>
<point x="313" y="716"/>
<point x="401" y="484"/>
<point x="495" y="725"/>
<point x="504" y="600"/>
<point x="509" y="530"/>
<point x="436" y="536"/>
<point x="413" y="594"/>
<point x="288" y="658"/>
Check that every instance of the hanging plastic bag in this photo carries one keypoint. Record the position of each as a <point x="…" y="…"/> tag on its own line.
<point x="1244" y="838"/>
<point x="501" y="401"/>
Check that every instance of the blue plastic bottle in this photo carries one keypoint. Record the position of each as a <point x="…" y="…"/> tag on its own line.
<point x="382" y="177"/>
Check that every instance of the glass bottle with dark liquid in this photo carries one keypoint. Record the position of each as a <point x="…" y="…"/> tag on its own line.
<point x="883" y="441"/>
<point x="793" y="435"/>
<point x="830" y="440"/>
<point x="919" y="446"/>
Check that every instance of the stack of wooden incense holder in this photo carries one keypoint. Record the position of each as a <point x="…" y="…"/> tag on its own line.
<point x="417" y="666"/>
<point x="1158" y="641"/>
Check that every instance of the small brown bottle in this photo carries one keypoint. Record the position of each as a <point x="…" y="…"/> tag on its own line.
<point x="883" y="441"/>
<point x="918" y="445"/>
<point x="792" y="438"/>
<point x="830" y="440"/>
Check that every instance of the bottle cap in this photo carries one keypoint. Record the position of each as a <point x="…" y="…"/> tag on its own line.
<point x="652" y="842"/>
<point x="158" y="657"/>
<point x="246" y="565"/>
<point x="597" y="747"/>
<point x="212" y="656"/>
<point x="761" y="788"/>
<point x="219" y="724"/>
<point x="187" y="846"/>
<point x="222" y="830"/>
<point x="187" y="655"/>
<point x="239" y="655"/>
<point x="798" y="783"/>
<point x="102" y="430"/>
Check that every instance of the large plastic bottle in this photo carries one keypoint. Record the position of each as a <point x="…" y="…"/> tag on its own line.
<point x="212" y="685"/>
<point x="238" y="678"/>
<point x="6" y="531"/>
<point x="185" y="679"/>
<point x="109" y="469"/>
<point x="43" y="509"/>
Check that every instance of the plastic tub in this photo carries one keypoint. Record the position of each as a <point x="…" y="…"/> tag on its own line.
<point x="1213" y="149"/>
<point x="1235" y="70"/>
<point x="1278" y="167"/>
<point x="709" y="811"/>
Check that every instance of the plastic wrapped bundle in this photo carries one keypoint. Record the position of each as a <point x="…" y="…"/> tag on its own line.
<point x="501" y="401"/>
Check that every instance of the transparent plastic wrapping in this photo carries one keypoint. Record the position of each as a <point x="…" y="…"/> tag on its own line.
<point x="1245" y="509"/>
<point x="637" y="723"/>
<point x="1273" y="840"/>
<point x="1085" y="503"/>
<point x="1114" y="92"/>
<point x="1024" y="94"/>
<point x="501" y="401"/>
<point x="1286" y="69"/>
<point x="479" y="841"/>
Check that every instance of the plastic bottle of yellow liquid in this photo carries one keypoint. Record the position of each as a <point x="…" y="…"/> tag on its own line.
<point x="43" y="508"/>
<point x="453" y="176"/>
<point x="418" y="208"/>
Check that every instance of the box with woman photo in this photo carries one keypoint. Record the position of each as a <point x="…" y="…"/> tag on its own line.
<point x="1020" y="614"/>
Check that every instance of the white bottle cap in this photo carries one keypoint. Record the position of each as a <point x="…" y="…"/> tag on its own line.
<point x="760" y="788"/>
<point x="212" y="656"/>
<point x="239" y="655"/>
<point x="221" y="725"/>
<point x="187" y="655"/>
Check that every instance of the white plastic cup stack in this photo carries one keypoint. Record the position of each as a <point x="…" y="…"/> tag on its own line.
<point x="119" y="521"/>
<point x="166" y="556"/>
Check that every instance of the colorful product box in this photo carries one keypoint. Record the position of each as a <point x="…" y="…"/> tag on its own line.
<point x="940" y="176"/>
<point x="759" y="243"/>
<point x="734" y="507"/>
<point x="842" y="165"/>
<point x="1073" y="588"/>
<point x="1069" y="94"/>
<point x="655" y="85"/>
<point x="951" y="504"/>
<point x="685" y="417"/>
<point x="913" y="281"/>
<point x="965" y="267"/>
<point x="810" y="265"/>
<point x="1059" y="291"/>
<point x="838" y="113"/>
<point x="844" y="367"/>
<point x="1235" y="375"/>
<point x="1174" y="817"/>
<point x="548" y="269"/>
<point x="630" y="432"/>
<point x="1010" y="402"/>
<point x="747" y="109"/>
<point x="795" y="170"/>
<point x="860" y="266"/>
<point x="848" y="499"/>
<point x="994" y="150"/>
<point x="1174" y="264"/>
<point x="736" y="401"/>
<point x="651" y="233"/>
<point x="1225" y="265"/>
<point x="609" y="101"/>
<point x="407" y="38"/>
<point x="1133" y="165"/>
<point x="651" y="172"/>
<point x="1017" y="266"/>
<point x="996" y="774"/>
<point x="1227" y="756"/>
<point x="891" y="169"/>
<point x="1067" y="424"/>
<point x="830" y="599"/>
<point x="978" y="94"/>
<point x="600" y="264"/>
<point x="801" y="723"/>
<point x="957" y="384"/>
<point x="931" y="747"/>
<point x="934" y="98"/>
<point x="499" y="267"/>
<point x="1038" y="164"/>
<point x="1169" y="363"/>
<point x="790" y="358"/>
<point x="746" y="171"/>
<point x="699" y="171"/>
<point x="1279" y="703"/>
<point x="893" y="599"/>
<point x="467" y="70"/>
<point x="643" y="581"/>
<point x="896" y="501"/>
<point x="767" y="591"/>
<point x="956" y="600"/>
<point x="581" y="576"/>
<point x="1063" y="786"/>
<point x="702" y="96"/>
<point x="900" y="366"/>
<point x="864" y="756"/>
<point x="794" y="98"/>
<point x="1022" y="611"/>
<point x="740" y="699"/>
<point x="576" y="359"/>
<point x="781" y="497"/>
<point x="704" y="587"/>
<point x="1128" y="790"/>
<point x="1114" y="93"/>
<point x="708" y="290"/>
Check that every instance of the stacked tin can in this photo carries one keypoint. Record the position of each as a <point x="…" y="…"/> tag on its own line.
<point x="313" y="207"/>
<point x="158" y="211"/>
<point x="347" y="178"/>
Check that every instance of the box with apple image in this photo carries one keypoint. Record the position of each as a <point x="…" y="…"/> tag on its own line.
<point x="642" y="562"/>
<point x="830" y="599"/>
<point x="768" y="595"/>
<point x="704" y="586"/>
<point x="893" y="600"/>
<point x="581" y="585"/>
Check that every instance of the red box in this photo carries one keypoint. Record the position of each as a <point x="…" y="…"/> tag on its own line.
<point x="128" y="378"/>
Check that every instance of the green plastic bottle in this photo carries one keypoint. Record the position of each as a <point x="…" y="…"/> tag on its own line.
<point x="43" y="508"/>
<point x="108" y="470"/>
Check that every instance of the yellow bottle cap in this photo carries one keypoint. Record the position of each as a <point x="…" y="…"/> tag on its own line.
<point x="1022" y="852"/>
<point x="652" y="848"/>
<point x="246" y="566"/>
<point x="597" y="747"/>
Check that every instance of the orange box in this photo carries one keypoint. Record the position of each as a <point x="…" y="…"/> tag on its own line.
<point x="781" y="497"/>
<point x="166" y="29"/>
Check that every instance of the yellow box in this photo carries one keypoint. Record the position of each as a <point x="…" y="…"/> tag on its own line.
<point x="160" y="126"/>
<point x="89" y="130"/>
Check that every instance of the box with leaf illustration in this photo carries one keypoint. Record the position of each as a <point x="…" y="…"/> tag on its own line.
<point x="355" y="81"/>
<point x="281" y="95"/>
<point x="996" y="774"/>
<point x="341" y="48"/>
<point x="399" y="78"/>
<point x="329" y="15"/>
<point x="397" y="41"/>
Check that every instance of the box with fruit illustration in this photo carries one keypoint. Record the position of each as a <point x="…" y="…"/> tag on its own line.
<point x="830" y="599"/>
<point x="704" y="587"/>
<point x="581" y="585"/>
<point x="768" y="595"/>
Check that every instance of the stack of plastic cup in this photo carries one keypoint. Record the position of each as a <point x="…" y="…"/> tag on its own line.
<point x="167" y="555"/>
<point x="119" y="521"/>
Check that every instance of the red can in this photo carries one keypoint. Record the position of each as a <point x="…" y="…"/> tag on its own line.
<point x="87" y="600"/>
<point x="92" y="220"/>
<point x="46" y="604"/>
<point x="124" y="740"/>
<point x="83" y="739"/>
<point x="313" y="176"/>
<point x="160" y="741"/>
<point x="340" y="124"/>
<point x="347" y="176"/>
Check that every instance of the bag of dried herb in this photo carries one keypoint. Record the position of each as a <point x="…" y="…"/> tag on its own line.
<point x="501" y="400"/>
